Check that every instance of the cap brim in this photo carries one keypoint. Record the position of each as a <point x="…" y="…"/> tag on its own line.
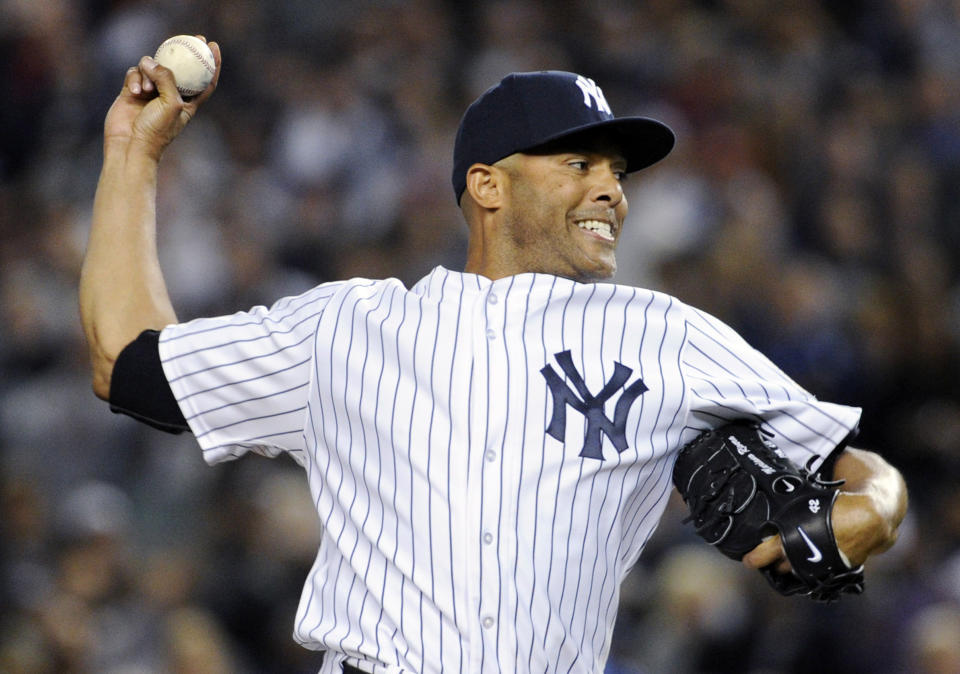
<point x="642" y="141"/>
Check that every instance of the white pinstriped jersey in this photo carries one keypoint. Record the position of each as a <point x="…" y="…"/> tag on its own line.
<point x="487" y="458"/>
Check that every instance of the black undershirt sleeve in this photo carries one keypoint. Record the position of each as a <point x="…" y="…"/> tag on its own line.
<point x="139" y="388"/>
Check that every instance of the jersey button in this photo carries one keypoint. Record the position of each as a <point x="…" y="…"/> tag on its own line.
<point x="488" y="622"/>
<point x="493" y="299"/>
<point x="488" y="538"/>
<point x="491" y="335"/>
<point x="490" y="455"/>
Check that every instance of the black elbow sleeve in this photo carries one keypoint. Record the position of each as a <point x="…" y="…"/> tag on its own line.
<point x="139" y="388"/>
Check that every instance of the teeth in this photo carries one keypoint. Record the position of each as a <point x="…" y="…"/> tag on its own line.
<point x="600" y="227"/>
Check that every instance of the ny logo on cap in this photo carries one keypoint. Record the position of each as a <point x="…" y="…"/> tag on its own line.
<point x="593" y="94"/>
<point x="591" y="406"/>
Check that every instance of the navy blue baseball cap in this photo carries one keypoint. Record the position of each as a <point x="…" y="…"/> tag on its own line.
<point x="527" y="110"/>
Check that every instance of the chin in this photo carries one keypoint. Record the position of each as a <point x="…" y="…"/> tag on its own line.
<point x="604" y="272"/>
<point x="596" y="275"/>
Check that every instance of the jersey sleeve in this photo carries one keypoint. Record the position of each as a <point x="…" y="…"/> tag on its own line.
<point x="728" y="379"/>
<point x="242" y="380"/>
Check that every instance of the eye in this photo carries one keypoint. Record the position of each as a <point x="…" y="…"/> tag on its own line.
<point x="579" y="164"/>
<point x="621" y="175"/>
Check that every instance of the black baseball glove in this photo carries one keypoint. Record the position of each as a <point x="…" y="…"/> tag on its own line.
<point x="741" y="489"/>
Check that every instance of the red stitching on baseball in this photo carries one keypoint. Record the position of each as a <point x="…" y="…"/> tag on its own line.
<point x="195" y="52"/>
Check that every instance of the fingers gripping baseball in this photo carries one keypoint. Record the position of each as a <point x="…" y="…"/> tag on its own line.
<point x="150" y="111"/>
<point x="164" y="116"/>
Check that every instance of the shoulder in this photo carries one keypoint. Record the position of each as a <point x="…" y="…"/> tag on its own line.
<point x="660" y="310"/>
<point x="635" y="299"/>
<point x="293" y="313"/>
<point x="321" y="297"/>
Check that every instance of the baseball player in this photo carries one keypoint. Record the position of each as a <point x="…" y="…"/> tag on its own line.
<point x="489" y="450"/>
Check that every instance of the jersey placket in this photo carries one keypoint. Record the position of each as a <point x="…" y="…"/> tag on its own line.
<point x="489" y="413"/>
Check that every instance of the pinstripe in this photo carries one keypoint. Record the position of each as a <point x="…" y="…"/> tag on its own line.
<point x="450" y="446"/>
<point x="251" y="399"/>
<point x="553" y="524"/>
<point x="646" y="492"/>
<point x="230" y="326"/>
<point x="315" y="478"/>
<point x="318" y="407"/>
<point x="369" y="500"/>
<point x="486" y="438"/>
<point x="516" y="547"/>
<point x="242" y="381"/>
<point x="335" y="444"/>
<point x="624" y="473"/>
<point x="355" y="379"/>
<point x="606" y="491"/>
<point x="276" y="434"/>
<point x="313" y="475"/>
<point x="573" y="502"/>
<point x="543" y="449"/>
<point x="430" y="547"/>
<point x="470" y="395"/>
<point x="413" y="408"/>
<point x="363" y="429"/>
<point x="315" y="298"/>
<point x="628" y="499"/>
<point x="392" y="415"/>
<point x="249" y="340"/>
<point x="779" y="430"/>
<point x="349" y="559"/>
<point x="248" y="359"/>
<point x="380" y="648"/>
<point x="261" y="417"/>
<point x="724" y="349"/>
<point x="503" y="448"/>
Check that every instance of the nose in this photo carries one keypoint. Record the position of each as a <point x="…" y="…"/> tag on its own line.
<point x="607" y="188"/>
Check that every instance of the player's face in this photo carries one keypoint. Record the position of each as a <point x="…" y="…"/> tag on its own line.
<point x="565" y="210"/>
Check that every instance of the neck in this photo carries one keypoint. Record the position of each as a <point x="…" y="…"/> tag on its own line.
<point x="485" y="258"/>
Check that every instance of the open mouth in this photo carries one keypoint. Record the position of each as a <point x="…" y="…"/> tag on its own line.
<point x="601" y="228"/>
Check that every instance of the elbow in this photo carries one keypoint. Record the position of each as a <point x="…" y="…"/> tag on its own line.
<point x="102" y="372"/>
<point x="883" y="484"/>
<point x="891" y="501"/>
<point x="896" y="510"/>
<point x="101" y="387"/>
<point x="902" y="498"/>
<point x="102" y="361"/>
<point x="888" y="482"/>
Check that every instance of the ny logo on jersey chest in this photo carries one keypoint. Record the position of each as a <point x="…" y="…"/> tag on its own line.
<point x="591" y="406"/>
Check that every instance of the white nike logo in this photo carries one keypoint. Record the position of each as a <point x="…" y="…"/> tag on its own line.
<point x="813" y="548"/>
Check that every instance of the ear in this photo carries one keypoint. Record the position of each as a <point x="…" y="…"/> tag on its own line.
<point x="486" y="184"/>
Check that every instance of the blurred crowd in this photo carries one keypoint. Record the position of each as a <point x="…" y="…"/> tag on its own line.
<point x="811" y="202"/>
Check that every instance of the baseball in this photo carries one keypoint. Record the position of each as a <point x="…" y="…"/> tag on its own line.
<point x="191" y="61"/>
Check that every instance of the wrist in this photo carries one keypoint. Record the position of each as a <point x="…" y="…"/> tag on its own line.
<point x="114" y="146"/>
<point x="128" y="165"/>
<point x="127" y="148"/>
<point x="124" y="148"/>
<point x="140" y="149"/>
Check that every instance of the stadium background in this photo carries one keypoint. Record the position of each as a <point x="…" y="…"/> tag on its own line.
<point x="811" y="201"/>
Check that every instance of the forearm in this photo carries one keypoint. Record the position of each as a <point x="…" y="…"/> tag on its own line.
<point x="122" y="290"/>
